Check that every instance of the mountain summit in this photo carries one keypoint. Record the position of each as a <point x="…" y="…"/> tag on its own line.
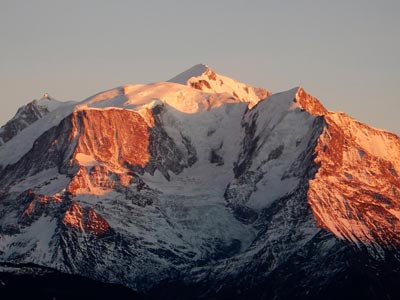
<point x="195" y="71"/>
<point x="203" y="78"/>
<point x="204" y="187"/>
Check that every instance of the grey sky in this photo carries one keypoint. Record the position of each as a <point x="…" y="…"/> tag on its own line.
<point x="346" y="53"/>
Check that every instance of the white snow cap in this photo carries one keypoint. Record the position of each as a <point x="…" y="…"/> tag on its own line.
<point x="202" y="77"/>
<point x="49" y="102"/>
<point x="194" y="71"/>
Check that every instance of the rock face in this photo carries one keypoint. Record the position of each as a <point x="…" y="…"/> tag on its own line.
<point x="355" y="193"/>
<point x="85" y="220"/>
<point x="107" y="143"/>
<point x="198" y="188"/>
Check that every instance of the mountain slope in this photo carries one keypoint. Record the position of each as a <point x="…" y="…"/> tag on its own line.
<point x="197" y="188"/>
<point x="355" y="193"/>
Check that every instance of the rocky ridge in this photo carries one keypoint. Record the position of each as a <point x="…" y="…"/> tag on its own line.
<point x="28" y="114"/>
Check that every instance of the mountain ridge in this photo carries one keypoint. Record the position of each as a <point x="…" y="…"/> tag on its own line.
<point x="28" y="114"/>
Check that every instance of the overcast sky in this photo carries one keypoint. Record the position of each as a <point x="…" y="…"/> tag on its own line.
<point x="346" y="53"/>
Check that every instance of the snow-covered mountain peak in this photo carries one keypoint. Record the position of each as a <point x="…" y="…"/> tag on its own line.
<point x="195" y="71"/>
<point x="190" y="99"/>
<point x="203" y="78"/>
<point x="49" y="102"/>
<point x="29" y="114"/>
<point x="140" y="97"/>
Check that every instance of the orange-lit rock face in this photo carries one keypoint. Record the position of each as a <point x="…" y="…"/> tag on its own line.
<point x="107" y="141"/>
<point x="262" y="93"/>
<point x="73" y="217"/>
<point x="356" y="191"/>
<point x="200" y="84"/>
<point x="85" y="220"/>
<point x="95" y="223"/>
<point x="113" y="136"/>
<point x="96" y="182"/>
<point x="38" y="203"/>
<point x="310" y="103"/>
<point x="29" y="209"/>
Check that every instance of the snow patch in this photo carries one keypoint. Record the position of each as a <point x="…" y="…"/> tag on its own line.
<point x="85" y="160"/>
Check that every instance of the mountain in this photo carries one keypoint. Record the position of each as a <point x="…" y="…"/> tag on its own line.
<point x="202" y="187"/>
<point x="28" y="114"/>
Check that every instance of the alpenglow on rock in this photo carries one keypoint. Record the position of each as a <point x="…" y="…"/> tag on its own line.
<point x="202" y="187"/>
